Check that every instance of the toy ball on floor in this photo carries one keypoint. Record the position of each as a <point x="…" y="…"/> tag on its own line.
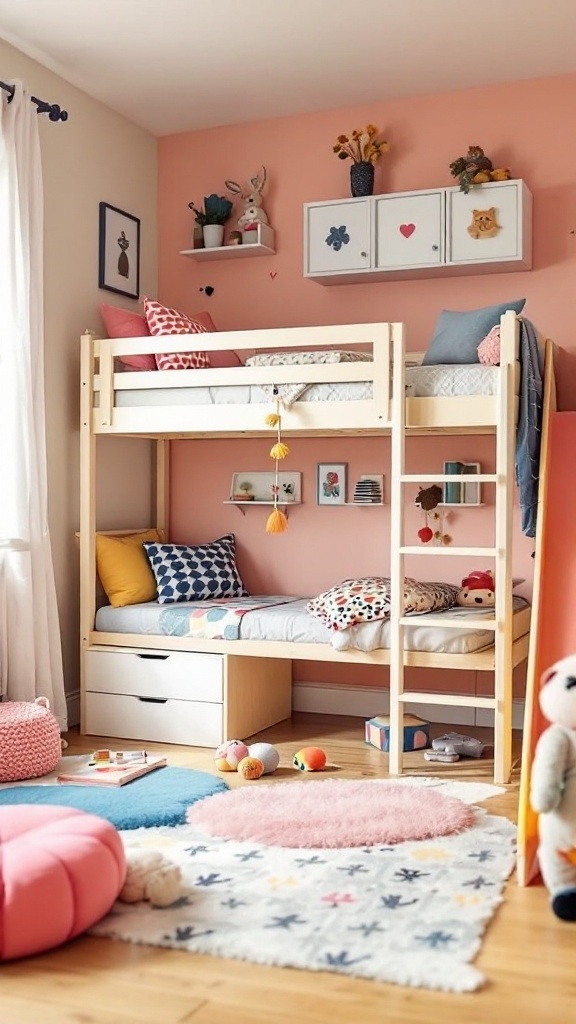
<point x="250" y="768"/>
<point x="266" y="753"/>
<point x="310" y="759"/>
<point x="229" y="754"/>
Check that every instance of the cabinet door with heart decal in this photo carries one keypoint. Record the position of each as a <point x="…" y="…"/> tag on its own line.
<point x="410" y="229"/>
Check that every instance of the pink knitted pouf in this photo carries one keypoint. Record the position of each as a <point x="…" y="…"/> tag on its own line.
<point x="60" y="872"/>
<point x="29" y="740"/>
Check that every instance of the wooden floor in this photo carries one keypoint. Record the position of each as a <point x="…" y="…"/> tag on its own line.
<point x="528" y="956"/>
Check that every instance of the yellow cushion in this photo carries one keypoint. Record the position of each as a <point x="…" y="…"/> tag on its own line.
<point x="123" y="568"/>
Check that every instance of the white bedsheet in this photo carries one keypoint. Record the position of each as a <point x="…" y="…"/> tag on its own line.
<point x="291" y="622"/>
<point x="422" y="381"/>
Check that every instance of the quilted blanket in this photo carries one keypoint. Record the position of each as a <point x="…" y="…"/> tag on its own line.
<point x="289" y="393"/>
<point x="219" y="619"/>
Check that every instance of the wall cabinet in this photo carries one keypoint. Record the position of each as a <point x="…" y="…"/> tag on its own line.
<point x="435" y="232"/>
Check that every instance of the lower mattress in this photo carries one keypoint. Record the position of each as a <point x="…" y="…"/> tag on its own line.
<point x="421" y="382"/>
<point x="289" y="621"/>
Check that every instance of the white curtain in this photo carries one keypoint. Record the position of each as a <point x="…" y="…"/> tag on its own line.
<point x="30" y="651"/>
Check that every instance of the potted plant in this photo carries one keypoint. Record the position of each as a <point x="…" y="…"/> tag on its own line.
<point x="244" y="492"/>
<point x="363" y="147"/>
<point x="212" y="218"/>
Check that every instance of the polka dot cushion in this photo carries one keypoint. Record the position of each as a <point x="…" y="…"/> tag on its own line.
<point x="195" y="572"/>
<point x="368" y="598"/>
<point x="162" y="320"/>
<point x="60" y="872"/>
<point x="29" y="740"/>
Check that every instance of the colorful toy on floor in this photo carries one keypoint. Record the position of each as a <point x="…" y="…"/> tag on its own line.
<point x="553" y="787"/>
<point x="229" y="754"/>
<point x="310" y="759"/>
<point x="416" y="732"/>
<point x="250" y="768"/>
<point x="477" y="590"/>
<point x="267" y="754"/>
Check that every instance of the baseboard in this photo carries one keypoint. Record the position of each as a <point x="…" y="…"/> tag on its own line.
<point x="73" y="707"/>
<point x="359" y="702"/>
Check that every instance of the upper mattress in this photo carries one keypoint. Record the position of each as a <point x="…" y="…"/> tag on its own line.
<point x="289" y="621"/>
<point x="421" y="382"/>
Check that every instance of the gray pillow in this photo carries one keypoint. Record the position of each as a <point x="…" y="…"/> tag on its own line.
<point x="458" y="334"/>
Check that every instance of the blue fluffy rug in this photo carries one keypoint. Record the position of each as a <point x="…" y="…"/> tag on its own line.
<point x="160" y="798"/>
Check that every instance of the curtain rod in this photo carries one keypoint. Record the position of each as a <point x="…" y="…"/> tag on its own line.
<point x="55" y="113"/>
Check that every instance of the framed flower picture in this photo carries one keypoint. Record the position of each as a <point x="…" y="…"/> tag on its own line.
<point x="331" y="483"/>
<point x="118" y="251"/>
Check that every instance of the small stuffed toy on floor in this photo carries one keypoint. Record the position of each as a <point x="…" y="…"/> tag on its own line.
<point x="150" y="876"/>
<point x="553" y="787"/>
<point x="477" y="590"/>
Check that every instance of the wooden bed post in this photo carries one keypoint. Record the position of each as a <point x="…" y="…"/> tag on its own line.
<point x="87" y="512"/>
<point x="162" y="486"/>
<point x="505" y="461"/>
<point x="397" y="460"/>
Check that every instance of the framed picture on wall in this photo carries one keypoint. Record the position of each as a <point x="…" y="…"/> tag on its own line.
<point x="331" y="483"/>
<point x="118" y="251"/>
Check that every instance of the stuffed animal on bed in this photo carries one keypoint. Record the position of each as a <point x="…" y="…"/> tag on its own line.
<point x="477" y="590"/>
<point x="553" y="787"/>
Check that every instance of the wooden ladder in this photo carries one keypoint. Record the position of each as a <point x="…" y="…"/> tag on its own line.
<point x="500" y="555"/>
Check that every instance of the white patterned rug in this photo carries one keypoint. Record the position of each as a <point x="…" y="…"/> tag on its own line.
<point x="412" y="914"/>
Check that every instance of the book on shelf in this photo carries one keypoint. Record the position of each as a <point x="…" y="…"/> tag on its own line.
<point x="453" y="491"/>
<point x="113" y="772"/>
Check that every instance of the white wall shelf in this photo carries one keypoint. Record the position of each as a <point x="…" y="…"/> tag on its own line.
<point x="263" y="246"/>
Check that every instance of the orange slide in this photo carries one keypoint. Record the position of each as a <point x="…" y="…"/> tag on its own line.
<point x="554" y="607"/>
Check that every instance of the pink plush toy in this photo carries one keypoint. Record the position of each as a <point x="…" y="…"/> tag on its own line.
<point x="229" y="754"/>
<point x="489" y="348"/>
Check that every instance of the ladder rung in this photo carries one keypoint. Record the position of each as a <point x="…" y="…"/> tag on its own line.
<point x="448" y="700"/>
<point x="426" y="549"/>
<point x="429" y="478"/>
<point x="439" y="620"/>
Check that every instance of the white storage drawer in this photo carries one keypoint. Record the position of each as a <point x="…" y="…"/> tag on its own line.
<point x="175" y="675"/>
<point x="170" y="721"/>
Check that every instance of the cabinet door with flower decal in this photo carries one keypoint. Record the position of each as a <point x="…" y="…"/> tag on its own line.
<point x="337" y="236"/>
<point x="410" y="229"/>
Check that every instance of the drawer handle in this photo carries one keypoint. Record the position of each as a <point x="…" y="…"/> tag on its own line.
<point x="153" y="700"/>
<point x="154" y="657"/>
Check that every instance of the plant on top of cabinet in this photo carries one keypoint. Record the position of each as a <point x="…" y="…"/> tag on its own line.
<point x="476" y="169"/>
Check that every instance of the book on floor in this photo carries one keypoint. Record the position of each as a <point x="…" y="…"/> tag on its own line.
<point x="112" y="772"/>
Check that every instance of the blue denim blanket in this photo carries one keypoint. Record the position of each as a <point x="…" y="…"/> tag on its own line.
<point x="528" y="433"/>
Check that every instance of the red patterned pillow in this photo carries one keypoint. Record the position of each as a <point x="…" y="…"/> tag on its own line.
<point x="163" y="320"/>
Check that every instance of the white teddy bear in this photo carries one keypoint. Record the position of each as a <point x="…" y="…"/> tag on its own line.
<point x="150" y="876"/>
<point x="553" y="787"/>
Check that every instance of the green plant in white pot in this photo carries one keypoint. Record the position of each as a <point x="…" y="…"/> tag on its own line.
<point x="212" y="218"/>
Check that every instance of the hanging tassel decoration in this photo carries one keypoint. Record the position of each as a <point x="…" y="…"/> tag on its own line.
<point x="277" y="520"/>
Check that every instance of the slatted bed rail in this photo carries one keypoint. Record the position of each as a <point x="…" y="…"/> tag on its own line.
<point x="105" y="383"/>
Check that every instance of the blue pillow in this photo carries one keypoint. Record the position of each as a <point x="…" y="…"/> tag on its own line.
<point x="198" y="572"/>
<point x="458" y="334"/>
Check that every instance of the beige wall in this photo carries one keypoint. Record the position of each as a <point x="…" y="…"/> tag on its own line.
<point x="95" y="156"/>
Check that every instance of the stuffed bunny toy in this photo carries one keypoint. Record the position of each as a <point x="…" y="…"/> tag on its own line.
<point x="251" y="194"/>
<point x="553" y="787"/>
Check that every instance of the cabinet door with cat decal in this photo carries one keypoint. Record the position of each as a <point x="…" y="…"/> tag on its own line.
<point x="486" y="224"/>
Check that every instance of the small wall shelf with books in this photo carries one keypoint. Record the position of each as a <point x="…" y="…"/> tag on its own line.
<point x="461" y="492"/>
<point x="249" y="489"/>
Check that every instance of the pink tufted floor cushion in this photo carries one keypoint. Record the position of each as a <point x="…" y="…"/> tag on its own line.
<point x="29" y="740"/>
<point x="60" y="872"/>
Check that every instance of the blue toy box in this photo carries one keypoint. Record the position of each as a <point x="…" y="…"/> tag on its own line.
<point x="416" y="732"/>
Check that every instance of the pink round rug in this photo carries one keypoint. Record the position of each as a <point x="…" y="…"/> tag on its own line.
<point x="331" y="813"/>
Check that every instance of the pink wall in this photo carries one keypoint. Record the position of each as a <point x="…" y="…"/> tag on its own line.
<point x="526" y="126"/>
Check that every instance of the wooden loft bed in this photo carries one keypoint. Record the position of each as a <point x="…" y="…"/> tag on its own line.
<point x="253" y="688"/>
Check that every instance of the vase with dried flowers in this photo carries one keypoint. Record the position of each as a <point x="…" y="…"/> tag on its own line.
<point x="363" y="147"/>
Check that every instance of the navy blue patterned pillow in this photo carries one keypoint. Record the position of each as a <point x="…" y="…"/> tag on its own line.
<point x="198" y="572"/>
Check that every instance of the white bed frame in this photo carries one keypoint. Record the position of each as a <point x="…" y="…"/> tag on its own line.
<point x="236" y="688"/>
